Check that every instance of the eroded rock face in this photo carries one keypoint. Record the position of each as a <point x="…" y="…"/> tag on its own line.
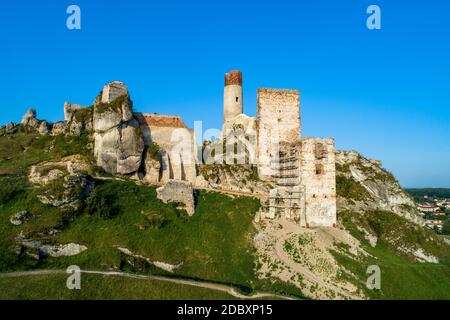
<point x="78" y="119"/>
<point x="10" y="128"/>
<point x="29" y="118"/>
<point x="58" y="128"/>
<point x="118" y="139"/>
<point x="378" y="189"/>
<point x="43" y="128"/>
<point x="67" y="193"/>
<point x="178" y="192"/>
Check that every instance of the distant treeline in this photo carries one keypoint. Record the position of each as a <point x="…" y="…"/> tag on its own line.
<point x="418" y="194"/>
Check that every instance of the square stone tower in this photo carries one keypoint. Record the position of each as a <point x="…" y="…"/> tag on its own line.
<point x="318" y="181"/>
<point x="278" y="122"/>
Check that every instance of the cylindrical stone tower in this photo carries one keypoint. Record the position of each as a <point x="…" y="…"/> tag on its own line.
<point x="232" y="98"/>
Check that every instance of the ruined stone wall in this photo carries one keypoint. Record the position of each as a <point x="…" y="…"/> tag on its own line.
<point x="240" y="137"/>
<point x="69" y="110"/>
<point x="318" y="180"/>
<point x="278" y="121"/>
<point x="112" y="91"/>
<point x="178" y="152"/>
<point x="179" y="192"/>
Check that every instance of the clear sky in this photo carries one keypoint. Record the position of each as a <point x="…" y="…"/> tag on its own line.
<point x="383" y="93"/>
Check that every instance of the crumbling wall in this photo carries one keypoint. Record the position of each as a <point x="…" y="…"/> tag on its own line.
<point x="178" y="192"/>
<point x="239" y="136"/>
<point x="178" y="146"/>
<point x="318" y="180"/>
<point x="112" y="91"/>
<point x="278" y="121"/>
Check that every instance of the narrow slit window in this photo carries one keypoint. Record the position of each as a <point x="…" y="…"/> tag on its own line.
<point x="319" y="169"/>
<point x="237" y="99"/>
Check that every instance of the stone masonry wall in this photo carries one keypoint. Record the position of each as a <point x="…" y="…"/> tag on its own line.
<point x="278" y="121"/>
<point x="178" y="152"/>
<point x="318" y="179"/>
<point x="178" y="191"/>
<point x="112" y="91"/>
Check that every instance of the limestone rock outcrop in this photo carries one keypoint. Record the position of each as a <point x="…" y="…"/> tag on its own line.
<point x="10" y="128"/>
<point x="58" y="128"/>
<point x="29" y="120"/>
<point x="178" y="192"/>
<point x="118" y="139"/>
<point x="19" y="218"/>
<point x="78" y="119"/>
<point x="162" y="265"/>
<point x="42" y="250"/>
<point x="364" y="185"/>
<point x="64" y="183"/>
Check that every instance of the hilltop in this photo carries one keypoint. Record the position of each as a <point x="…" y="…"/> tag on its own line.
<point x="97" y="191"/>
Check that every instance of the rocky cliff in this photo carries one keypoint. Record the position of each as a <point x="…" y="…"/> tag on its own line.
<point x="363" y="185"/>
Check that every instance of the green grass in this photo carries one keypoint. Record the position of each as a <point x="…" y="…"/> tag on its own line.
<point x="20" y="151"/>
<point x="401" y="276"/>
<point x="215" y="244"/>
<point x="98" y="287"/>
<point x="153" y="151"/>
<point x="114" y="106"/>
<point x="350" y="189"/>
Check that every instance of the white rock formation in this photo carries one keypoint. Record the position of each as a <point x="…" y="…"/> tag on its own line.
<point x="383" y="191"/>
<point x="118" y="139"/>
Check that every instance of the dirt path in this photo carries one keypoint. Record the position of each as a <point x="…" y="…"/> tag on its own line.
<point x="317" y="270"/>
<point x="305" y="272"/>
<point x="201" y="284"/>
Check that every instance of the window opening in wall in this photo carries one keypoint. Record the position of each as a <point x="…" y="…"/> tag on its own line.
<point x="237" y="99"/>
<point x="319" y="169"/>
<point x="319" y="151"/>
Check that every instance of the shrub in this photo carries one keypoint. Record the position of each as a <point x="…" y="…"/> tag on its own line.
<point x="153" y="151"/>
<point x="115" y="106"/>
<point x="350" y="189"/>
<point x="155" y="220"/>
<point x="101" y="204"/>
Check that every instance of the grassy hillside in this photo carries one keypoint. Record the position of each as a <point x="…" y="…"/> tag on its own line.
<point x="216" y="244"/>
<point x="97" y="287"/>
<point x="402" y="277"/>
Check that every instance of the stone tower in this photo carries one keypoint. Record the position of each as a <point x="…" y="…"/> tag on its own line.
<point x="232" y="98"/>
<point x="278" y="123"/>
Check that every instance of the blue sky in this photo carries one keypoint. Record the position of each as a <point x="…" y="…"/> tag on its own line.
<point x="383" y="93"/>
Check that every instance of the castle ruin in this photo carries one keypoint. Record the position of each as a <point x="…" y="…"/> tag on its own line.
<point x="299" y="170"/>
